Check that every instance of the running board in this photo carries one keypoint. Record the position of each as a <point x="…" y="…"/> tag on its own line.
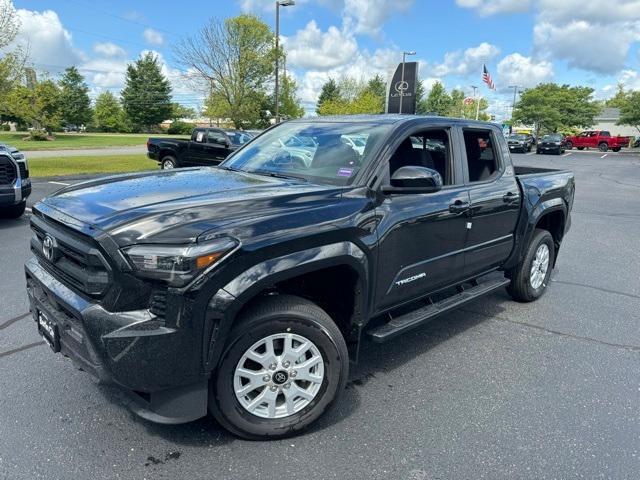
<point x="425" y="314"/>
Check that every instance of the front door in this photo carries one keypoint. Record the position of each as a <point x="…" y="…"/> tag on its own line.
<point x="217" y="147"/>
<point x="421" y="236"/>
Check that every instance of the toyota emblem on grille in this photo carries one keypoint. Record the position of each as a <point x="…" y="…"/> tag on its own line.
<point x="49" y="248"/>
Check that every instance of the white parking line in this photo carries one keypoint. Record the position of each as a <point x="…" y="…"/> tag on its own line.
<point x="59" y="183"/>
<point x="531" y="153"/>
<point x="27" y="209"/>
<point x="604" y="155"/>
<point x="567" y="154"/>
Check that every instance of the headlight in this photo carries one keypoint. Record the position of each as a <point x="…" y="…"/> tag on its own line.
<point x="178" y="264"/>
<point x="558" y="143"/>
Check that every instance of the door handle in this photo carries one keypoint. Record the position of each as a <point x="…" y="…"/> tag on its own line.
<point x="510" y="197"/>
<point x="459" y="206"/>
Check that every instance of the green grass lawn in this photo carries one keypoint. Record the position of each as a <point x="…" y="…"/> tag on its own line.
<point x="79" y="140"/>
<point x="58" y="166"/>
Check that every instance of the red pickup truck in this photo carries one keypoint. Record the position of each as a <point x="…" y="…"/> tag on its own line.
<point x="600" y="139"/>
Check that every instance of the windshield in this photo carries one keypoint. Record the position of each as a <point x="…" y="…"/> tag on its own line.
<point x="517" y="137"/>
<point x="239" y="138"/>
<point x="324" y="156"/>
<point x="552" y="138"/>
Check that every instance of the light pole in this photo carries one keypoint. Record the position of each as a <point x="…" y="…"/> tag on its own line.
<point x="515" y="93"/>
<point x="279" y="3"/>
<point x="404" y="55"/>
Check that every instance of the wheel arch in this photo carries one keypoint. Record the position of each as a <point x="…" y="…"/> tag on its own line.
<point x="320" y="274"/>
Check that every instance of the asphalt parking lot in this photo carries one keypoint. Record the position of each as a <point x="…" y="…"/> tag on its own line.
<point x="496" y="390"/>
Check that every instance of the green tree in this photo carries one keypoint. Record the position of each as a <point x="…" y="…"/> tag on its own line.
<point x="235" y="59"/>
<point x="552" y="107"/>
<point x="39" y="106"/>
<point x="108" y="115"/>
<point x="181" y="111"/>
<point x="438" y="101"/>
<point x="378" y="89"/>
<point x="620" y="99"/>
<point x="630" y="111"/>
<point x="289" y="103"/>
<point x="146" y="97"/>
<point x="330" y="92"/>
<point x="75" y="106"/>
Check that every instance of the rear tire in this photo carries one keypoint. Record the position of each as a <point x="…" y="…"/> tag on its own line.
<point x="275" y="321"/>
<point x="168" y="163"/>
<point x="14" y="211"/>
<point x="530" y="278"/>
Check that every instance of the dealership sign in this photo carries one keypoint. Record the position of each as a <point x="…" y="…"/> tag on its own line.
<point x="401" y="90"/>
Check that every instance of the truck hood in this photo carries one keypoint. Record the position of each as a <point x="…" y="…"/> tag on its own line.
<point x="179" y="205"/>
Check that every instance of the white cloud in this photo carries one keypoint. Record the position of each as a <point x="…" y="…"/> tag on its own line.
<point x="363" y="66"/>
<point x="314" y="49"/>
<point x="49" y="43"/>
<point x="492" y="7"/>
<point x="516" y="69"/>
<point x="467" y="62"/>
<point x="108" y="49"/>
<point x="593" y="11"/>
<point x="368" y="16"/>
<point x="152" y="36"/>
<point x="598" y="48"/>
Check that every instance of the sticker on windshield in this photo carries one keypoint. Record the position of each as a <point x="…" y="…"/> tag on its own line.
<point x="345" y="172"/>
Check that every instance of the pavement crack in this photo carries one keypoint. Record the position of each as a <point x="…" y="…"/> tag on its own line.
<point x="21" y="349"/>
<point x="13" y="320"/>
<point x="581" y="338"/>
<point x="600" y="289"/>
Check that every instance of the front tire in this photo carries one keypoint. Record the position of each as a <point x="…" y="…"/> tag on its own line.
<point x="14" y="211"/>
<point x="530" y="278"/>
<point x="168" y="163"/>
<point x="286" y="363"/>
<point x="569" y="145"/>
<point x="603" y="147"/>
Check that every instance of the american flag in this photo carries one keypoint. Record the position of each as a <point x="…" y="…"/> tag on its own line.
<point x="486" y="78"/>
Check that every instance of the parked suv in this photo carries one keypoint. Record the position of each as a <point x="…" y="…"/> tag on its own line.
<point x="15" y="185"/>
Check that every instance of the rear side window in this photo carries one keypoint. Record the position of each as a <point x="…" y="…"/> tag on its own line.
<point x="482" y="158"/>
<point x="605" y="134"/>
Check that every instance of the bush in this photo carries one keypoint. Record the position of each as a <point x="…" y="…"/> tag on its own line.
<point x="180" y="128"/>
<point x="38" y="136"/>
<point x="5" y="127"/>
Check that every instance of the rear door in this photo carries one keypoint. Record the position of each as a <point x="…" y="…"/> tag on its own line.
<point x="196" y="149"/>
<point x="495" y="199"/>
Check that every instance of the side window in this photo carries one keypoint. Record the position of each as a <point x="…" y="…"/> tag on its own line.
<point x="199" y="136"/>
<point x="482" y="158"/>
<point x="605" y="134"/>
<point x="216" y="138"/>
<point x="429" y="148"/>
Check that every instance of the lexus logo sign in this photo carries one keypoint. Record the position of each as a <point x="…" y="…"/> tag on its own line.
<point x="49" y="248"/>
<point x="401" y="86"/>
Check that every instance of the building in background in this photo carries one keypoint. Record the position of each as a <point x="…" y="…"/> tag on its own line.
<point x="608" y="119"/>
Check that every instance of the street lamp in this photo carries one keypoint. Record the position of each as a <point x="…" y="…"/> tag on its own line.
<point x="476" y="100"/>
<point x="279" y="3"/>
<point x="404" y="55"/>
<point x="513" y="106"/>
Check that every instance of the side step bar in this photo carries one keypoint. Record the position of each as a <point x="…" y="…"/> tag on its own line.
<point x="425" y="314"/>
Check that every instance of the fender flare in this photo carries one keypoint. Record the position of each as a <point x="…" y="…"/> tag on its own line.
<point x="528" y="227"/>
<point x="227" y="302"/>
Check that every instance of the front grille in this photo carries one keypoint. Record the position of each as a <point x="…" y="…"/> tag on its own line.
<point x="24" y="173"/>
<point x="8" y="172"/>
<point x="75" y="261"/>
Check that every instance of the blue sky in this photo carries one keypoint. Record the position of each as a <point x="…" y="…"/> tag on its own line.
<point x="523" y="42"/>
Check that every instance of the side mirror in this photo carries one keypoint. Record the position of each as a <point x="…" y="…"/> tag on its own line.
<point x="413" y="179"/>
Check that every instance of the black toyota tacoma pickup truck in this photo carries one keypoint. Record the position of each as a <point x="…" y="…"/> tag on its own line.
<point x="246" y="289"/>
<point x="207" y="147"/>
<point x="15" y="185"/>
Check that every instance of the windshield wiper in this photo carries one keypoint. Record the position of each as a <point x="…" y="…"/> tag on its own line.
<point x="277" y="175"/>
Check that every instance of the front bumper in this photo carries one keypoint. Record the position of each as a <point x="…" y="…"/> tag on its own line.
<point x="15" y="193"/>
<point x="521" y="148"/>
<point x="156" y="365"/>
